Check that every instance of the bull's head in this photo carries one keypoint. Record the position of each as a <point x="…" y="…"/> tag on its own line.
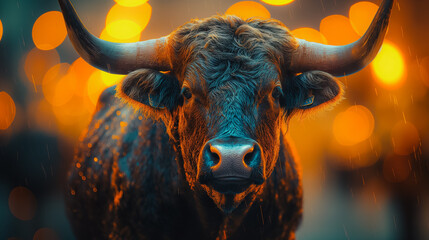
<point x="231" y="84"/>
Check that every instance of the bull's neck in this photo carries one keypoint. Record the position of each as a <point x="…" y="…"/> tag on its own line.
<point x="214" y="223"/>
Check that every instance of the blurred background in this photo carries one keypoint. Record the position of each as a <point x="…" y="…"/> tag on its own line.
<point x="365" y="162"/>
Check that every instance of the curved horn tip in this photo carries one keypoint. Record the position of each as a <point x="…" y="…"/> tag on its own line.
<point x="348" y="59"/>
<point x="119" y="58"/>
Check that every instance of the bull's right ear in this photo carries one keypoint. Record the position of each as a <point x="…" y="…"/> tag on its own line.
<point x="149" y="89"/>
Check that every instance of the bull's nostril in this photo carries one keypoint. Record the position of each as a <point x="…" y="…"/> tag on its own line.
<point x="214" y="156"/>
<point x="248" y="158"/>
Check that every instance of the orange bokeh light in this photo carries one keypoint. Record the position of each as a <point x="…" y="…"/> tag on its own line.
<point x="396" y="168"/>
<point x="37" y="62"/>
<point x="389" y="66"/>
<point x="72" y="117"/>
<point x="22" y="203"/>
<point x="361" y="15"/>
<point x="1" y="29"/>
<point x="405" y="138"/>
<point x="80" y="71"/>
<point x="248" y="9"/>
<point x="7" y="110"/>
<point x="49" y="30"/>
<point x="338" y="30"/>
<point x="139" y="15"/>
<point x="130" y="3"/>
<point x="58" y="87"/>
<point x="309" y="34"/>
<point x="277" y="2"/>
<point x="45" y="233"/>
<point x="353" y="126"/>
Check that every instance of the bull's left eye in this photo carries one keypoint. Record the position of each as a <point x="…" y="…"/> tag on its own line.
<point x="186" y="92"/>
<point x="277" y="92"/>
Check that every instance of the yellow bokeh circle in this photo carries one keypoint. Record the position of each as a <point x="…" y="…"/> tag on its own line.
<point x="123" y="29"/>
<point x="389" y="66"/>
<point x="110" y="79"/>
<point x="139" y="15"/>
<point x="49" y="30"/>
<point x="106" y="36"/>
<point x="130" y="3"/>
<point x="277" y="2"/>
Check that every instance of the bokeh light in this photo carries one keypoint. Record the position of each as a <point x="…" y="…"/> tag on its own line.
<point x="72" y="117"/>
<point x="123" y="29"/>
<point x="37" y="62"/>
<point x="80" y="71"/>
<point x="49" y="30"/>
<point x="361" y="15"/>
<point x="338" y="30"/>
<point x="309" y="34"/>
<point x="277" y="2"/>
<point x="248" y="9"/>
<point x="139" y="15"/>
<point x="58" y="87"/>
<point x="130" y="3"/>
<point x="353" y="126"/>
<point x="106" y="36"/>
<point x="1" y="29"/>
<point x="95" y="86"/>
<point x="7" y="110"/>
<point x="22" y="203"/>
<point x="46" y="234"/>
<point x="389" y="66"/>
<point x="405" y="138"/>
<point x="110" y="79"/>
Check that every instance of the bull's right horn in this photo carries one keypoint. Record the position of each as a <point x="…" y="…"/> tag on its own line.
<point x="119" y="58"/>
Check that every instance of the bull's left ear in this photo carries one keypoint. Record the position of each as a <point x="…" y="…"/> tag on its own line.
<point x="149" y="90"/>
<point x="313" y="90"/>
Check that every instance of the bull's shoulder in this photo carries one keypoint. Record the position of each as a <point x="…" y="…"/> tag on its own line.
<point x="124" y="176"/>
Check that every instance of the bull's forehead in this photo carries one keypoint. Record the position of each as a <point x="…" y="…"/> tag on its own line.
<point x="239" y="75"/>
<point x="232" y="91"/>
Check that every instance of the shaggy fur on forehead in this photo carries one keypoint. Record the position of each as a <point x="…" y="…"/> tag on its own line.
<point x="213" y="40"/>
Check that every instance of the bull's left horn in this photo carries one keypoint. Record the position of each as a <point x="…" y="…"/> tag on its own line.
<point x="120" y="58"/>
<point x="348" y="59"/>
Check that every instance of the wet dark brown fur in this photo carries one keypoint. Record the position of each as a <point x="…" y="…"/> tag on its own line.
<point x="136" y="178"/>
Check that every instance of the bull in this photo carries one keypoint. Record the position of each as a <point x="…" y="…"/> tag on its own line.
<point x="191" y="143"/>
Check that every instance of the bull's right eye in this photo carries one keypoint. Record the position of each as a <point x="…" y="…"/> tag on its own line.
<point x="186" y="93"/>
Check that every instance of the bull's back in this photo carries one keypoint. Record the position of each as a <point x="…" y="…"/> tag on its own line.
<point x="124" y="177"/>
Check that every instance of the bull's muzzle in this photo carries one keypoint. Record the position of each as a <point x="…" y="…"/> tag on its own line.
<point x="231" y="165"/>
